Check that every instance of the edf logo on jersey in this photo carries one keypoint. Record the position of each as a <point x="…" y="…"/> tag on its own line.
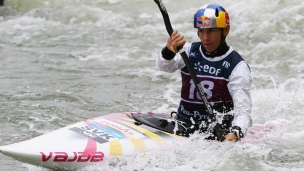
<point x="210" y="69"/>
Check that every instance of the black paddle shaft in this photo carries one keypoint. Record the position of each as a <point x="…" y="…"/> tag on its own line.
<point x="186" y="60"/>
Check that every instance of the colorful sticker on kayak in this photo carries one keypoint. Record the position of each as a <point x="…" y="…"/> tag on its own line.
<point x="108" y="130"/>
<point x="116" y="126"/>
<point x="94" y="133"/>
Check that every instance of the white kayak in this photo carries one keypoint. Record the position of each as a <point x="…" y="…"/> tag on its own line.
<point x="91" y="141"/>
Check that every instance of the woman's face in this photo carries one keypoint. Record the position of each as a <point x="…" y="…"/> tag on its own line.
<point x="211" y="37"/>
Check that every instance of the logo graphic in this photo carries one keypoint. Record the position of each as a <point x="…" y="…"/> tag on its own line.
<point x="112" y="127"/>
<point x="108" y="130"/>
<point x="203" y="21"/>
<point x="93" y="133"/>
<point x="226" y="64"/>
<point x="198" y="66"/>
<point x="226" y="18"/>
<point x="77" y="157"/>
<point x="192" y="54"/>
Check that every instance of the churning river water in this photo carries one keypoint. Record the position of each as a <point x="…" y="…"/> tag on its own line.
<point x="62" y="62"/>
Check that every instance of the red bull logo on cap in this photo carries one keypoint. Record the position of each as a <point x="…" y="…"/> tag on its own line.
<point x="203" y="21"/>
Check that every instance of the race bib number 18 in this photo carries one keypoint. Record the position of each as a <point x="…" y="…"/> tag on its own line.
<point x="207" y="87"/>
